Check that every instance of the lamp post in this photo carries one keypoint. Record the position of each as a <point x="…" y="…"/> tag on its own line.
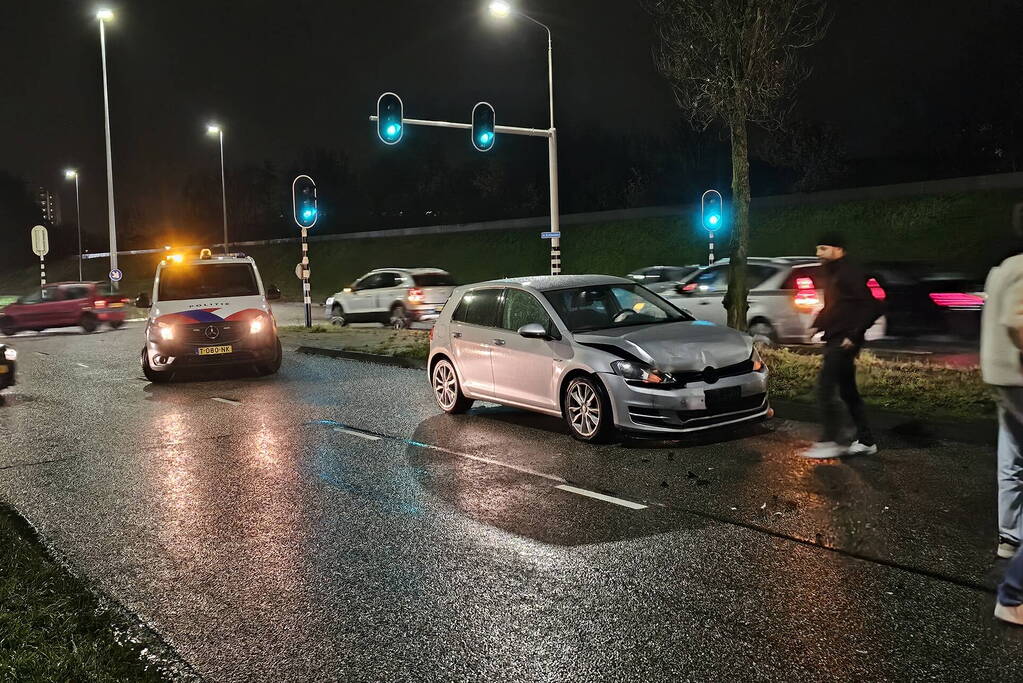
<point x="103" y="16"/>
<point x="215" y="129"/>
<point x="72" y="174"/>
<point x="502" y="9"/>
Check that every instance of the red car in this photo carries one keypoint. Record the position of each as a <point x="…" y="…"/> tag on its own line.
<point x="65" y="304"/>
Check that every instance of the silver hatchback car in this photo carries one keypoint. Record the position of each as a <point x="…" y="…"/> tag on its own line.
<point x="604" y="353"/>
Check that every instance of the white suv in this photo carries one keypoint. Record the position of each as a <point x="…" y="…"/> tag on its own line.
<point x="393" y="296"/>
<point x="785" y="297"/>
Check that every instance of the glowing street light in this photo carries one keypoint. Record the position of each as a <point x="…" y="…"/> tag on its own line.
<point x="215" y="129"/>
<point x="500" y="9"/>
<point x="105" y="14"/>
<point x="72" y="174"/>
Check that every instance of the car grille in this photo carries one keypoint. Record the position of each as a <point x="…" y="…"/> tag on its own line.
<point x="685" y="419"/>
<point x="227" y="332"/>
<point x="740" y="404"/>
<point x="712" y="375"/>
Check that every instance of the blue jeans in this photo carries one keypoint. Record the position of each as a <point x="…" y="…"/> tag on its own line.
<point x="1010" y="463"/>
<point x="1010" y="590"/>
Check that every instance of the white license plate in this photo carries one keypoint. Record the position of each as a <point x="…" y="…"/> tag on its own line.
<point x="214" y="350"/>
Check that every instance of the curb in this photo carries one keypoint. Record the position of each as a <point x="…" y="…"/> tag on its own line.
<point x="393" y="361"/>
<point x="908" y="427"/>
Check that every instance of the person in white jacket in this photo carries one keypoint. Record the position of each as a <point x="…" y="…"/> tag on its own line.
<point x="1002" y="367"/>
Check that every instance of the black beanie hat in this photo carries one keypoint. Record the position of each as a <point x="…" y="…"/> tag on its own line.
<point x="832" y="239"/>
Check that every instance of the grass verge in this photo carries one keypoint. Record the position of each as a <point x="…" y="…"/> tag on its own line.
<point x="919" y="389"/>
<point x="53" y="629"/>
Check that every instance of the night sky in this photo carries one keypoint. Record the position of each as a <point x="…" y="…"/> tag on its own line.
<point x="283" y="77"/>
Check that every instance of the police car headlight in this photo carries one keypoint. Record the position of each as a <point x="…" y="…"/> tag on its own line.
<point x="166" y="332"/>
<point x="256" y="325"/>
<point x="10" y="354"/>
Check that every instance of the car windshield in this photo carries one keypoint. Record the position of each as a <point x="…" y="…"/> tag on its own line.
<point x="433" y="280"/>
<point x="205" y="281"/>
<point x="609" y="306"/>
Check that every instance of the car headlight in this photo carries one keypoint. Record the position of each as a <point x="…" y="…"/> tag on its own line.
<point x="10" y="354"/>
<point x="256" y="325"/>
<point x="166" y="331"/>
<point x="639" y="372"/>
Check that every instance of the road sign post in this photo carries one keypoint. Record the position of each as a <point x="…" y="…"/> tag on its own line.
<point x="303" y="199"/>
<point x="41" y="247"/>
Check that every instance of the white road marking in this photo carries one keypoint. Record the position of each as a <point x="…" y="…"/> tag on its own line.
<point x="600" y="496"/>
<point x="361" y="435"/>
<point x="226" y="400"/>
<point x="81" y="365"/>
<point x="489" y="461"/>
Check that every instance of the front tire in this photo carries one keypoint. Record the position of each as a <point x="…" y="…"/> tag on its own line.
<point x="446" y="389"/>
<point x="337" y="316"/>
<point x="273" y="366"/>
<point x="151" y="374"/>
<point x="587" y="411"/>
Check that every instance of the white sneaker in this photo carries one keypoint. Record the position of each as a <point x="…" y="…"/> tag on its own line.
<point x="823" y="450"/>
<point x="858" y="448"/>
<point x="1006" y="549"/>
<point x="1013" y="615"/>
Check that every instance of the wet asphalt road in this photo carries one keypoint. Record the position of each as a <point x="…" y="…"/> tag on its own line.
<point x="328" y="523"/>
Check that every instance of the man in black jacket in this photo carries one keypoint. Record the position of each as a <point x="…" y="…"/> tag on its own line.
<point x="849" y="311"/>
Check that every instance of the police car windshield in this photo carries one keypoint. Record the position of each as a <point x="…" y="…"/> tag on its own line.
<point x="207" y="281"/>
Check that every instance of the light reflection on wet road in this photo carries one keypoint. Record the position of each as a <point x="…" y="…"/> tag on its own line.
<point x="266" y="542"/>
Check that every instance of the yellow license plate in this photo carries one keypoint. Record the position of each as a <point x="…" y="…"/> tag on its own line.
<point x="117" y="305"/>
<point x="4" y="369"/>
<point x="213" y="350"/>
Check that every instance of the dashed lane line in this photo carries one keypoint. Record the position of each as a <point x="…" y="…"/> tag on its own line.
<point x="355" y="432"/>
<point x="229" y="401"/>
<point x="600" y="496"/>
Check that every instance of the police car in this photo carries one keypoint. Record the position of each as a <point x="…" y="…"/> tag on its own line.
<point x="209" y="311"/>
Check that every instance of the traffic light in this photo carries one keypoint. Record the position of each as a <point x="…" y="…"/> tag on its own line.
<point x="711" y="209"/>
<point x="303" y="197"/>
<point x="389" y="118"/>
<point x="483" y="135"/>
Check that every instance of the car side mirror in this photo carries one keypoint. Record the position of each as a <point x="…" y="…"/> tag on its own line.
<point x="273" y="293"/>
<point x="533" y="331"/>
<point x="142" y="301"/>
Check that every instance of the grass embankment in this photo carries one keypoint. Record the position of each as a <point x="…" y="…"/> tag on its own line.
<point x="51" y="627"/>
<point x="965" y="230"/>
<point x="920" y="389"/>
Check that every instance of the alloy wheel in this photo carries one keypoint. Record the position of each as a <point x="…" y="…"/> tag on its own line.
<point x="445" y="385"/>
<point x="584" y="409"/>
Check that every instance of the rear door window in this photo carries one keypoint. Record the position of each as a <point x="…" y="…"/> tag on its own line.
<point x="479" y="307"/>
<point x="433" y="280"/>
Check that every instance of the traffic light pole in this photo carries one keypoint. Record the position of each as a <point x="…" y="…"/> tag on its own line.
<point x="552" y="150"/>
<point x="306" y="298"/>
<point x="710" y="260"/>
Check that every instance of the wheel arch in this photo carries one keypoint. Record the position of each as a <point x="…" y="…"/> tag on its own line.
<point x="581" y="372"/>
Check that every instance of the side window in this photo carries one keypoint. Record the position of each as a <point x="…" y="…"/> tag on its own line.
<point x="711" y="280"/>
<point x="522" y="308"/>
<point x="76" y="292"/>
<point x="371" y="281"/>
<point x="389" y="280"/>
<point x="52" y="294"/>
<point x="478" y="307"/>
<point x="758" y="275"/>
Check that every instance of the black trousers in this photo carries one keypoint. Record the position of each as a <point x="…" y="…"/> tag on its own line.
<point x="837" y="379"/>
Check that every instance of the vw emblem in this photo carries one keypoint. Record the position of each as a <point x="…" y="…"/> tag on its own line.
<point x="211" y="332"/>
<point x="710" y="375"/>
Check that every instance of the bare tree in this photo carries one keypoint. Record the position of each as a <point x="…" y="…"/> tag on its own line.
<point x="735" y="63"/>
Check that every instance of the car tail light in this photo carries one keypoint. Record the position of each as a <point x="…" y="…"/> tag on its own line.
<point x="416" y="295"/>
<point x="125" y="301"/>
<point x="806" y="293"/>
<point x="100" y="303"/>
<point x="691" y="287"/>
<point x="876" y="290"/>
<point x="956" y="300"/>
<point x="431" y="335"/>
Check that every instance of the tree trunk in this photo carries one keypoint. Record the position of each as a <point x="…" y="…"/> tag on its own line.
<point x="735" y="299"/>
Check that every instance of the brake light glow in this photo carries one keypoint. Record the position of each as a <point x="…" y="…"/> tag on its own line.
<point x="416" y="295"/>
<point x="956" y="300"/>
<point x="806" y="294"/>
<point x="691" y="287"/>
<point x="876" y="290"/>
<point x="100" y="303"/>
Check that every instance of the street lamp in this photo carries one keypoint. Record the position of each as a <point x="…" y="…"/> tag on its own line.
<point x="215" y="129"/>
<point x="103" y="16"/>
<point x="502" y="10"/>
<point x="72" y="174"/>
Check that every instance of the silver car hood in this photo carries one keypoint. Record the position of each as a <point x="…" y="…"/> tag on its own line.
<point x="676" y="347"/>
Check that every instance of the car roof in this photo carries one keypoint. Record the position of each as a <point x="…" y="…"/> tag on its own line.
<point x="543" y="283"/>
<point x="196" y="261"/>
<point x="778" y="260"/>
<point x="412" y="271"/>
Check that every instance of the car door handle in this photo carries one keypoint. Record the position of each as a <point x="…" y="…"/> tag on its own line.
<point x="500" y="342"/>
<point x="457" y="335"/>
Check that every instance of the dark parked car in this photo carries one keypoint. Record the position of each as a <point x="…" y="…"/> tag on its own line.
<point x="661" y="279"/>
<point x="65" y="304"/>
<point x="924" y="301"/>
